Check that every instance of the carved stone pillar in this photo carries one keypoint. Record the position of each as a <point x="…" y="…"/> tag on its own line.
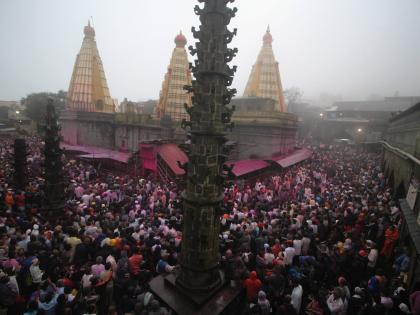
<point x="210" y="118"/>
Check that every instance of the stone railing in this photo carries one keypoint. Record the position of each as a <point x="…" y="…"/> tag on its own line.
<point x="135" y="119"/>
<point x="264" y="117"/>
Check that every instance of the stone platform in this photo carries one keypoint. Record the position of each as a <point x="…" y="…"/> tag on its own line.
<point x="225" y="301"/>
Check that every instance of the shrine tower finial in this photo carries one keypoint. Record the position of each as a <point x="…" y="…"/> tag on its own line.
<point x="89" y="30"/>
<point x="268" y="39"/>
<point x="180" y="40"/>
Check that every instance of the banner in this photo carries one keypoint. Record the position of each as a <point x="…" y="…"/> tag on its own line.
<point x="412" y="193"/>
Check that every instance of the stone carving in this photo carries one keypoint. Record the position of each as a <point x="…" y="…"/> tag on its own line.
<point x="206" y="173"/>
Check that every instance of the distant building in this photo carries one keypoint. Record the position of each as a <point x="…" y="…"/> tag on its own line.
<point x="173" y="96"/>
<point x="9" y="109"/>
<point x="360" y="121"/>
<point x="264" y="80"/>
<point x="388" y="104"/>
<point x="12" y="117"/>
<point x="130" y="107"/>
<point x="88" y="90"/>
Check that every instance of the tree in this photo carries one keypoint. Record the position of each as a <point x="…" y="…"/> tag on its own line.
<point x="36" y="104"/>
<point x="293" y="96"/>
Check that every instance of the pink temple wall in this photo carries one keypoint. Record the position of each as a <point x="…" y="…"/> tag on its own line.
<point x="69" y="132"/>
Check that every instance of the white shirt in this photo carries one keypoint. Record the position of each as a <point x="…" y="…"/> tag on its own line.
<point x="306" y="242"/>
<point x="336" y="306"/>
<point x="372" y="258"/>
<point x="297" y="298"/>
<point x="387" y="302"/>
<point x="297" y="245"/>
<point x="36" y="273"/>
<point x="86" y="280"/>
<point x="86" y="199"/>
<point x="269" y="257"/>
<point x="289" y="253"/>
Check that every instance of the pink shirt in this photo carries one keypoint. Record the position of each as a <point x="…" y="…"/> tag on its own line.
<point x="98" y="269"/>
<point x="415" y="302"/>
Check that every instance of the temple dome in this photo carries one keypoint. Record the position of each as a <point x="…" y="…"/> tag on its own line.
<point x="180" y="40"/>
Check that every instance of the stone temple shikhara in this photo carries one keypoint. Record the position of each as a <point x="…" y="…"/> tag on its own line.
<point x="88" y="90"/>
<point x="264" y="80"/>
<point x="172" y="97"/>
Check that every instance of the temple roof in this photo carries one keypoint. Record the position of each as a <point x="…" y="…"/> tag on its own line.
<point x="88" y="90"/>
<point x="264" y="80"/>
<point x="172" y="95"/>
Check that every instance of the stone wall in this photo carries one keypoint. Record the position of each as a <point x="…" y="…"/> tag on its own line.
<point x="259" y="140"/>
<point x="129" y="136"/>
<point x="401" y="154"/>
<point x="403" y="133"/>
<point x="111" y="131"/>
<point x="263" y="134"/>
<point x="91" y="129"/>
<point x="398" y="170"/>
<point x="257" y="134"/>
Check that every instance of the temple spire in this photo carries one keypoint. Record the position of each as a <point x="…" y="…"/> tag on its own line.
<point x="264" y="80"/>
<point x="172" y="95"/>
<point x="88" y="90"/>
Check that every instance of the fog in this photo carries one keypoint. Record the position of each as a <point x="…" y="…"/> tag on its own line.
<point x="351" y="48"/>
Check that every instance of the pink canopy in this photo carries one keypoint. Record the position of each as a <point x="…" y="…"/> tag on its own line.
<point x="295" y="157"/>
<point x="244" y="167"/>
<point x="98" y="153"/>
<point x="171" y="154"/>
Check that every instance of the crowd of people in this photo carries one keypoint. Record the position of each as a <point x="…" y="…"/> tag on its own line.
<point x="320" y="237"/>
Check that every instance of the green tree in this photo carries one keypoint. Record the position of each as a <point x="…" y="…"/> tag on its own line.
<point x="36" y="104"/>
<point x="293" y="97"/>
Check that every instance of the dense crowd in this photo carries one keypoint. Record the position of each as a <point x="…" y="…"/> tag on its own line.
<point x="321" y="237"/>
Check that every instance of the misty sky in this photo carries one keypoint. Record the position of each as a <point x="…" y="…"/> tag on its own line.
<point x="350" y="47"/>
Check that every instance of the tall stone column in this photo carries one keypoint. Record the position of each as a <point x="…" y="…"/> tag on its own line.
<point x="210" y="118"/>
<point x="54" y="176"/>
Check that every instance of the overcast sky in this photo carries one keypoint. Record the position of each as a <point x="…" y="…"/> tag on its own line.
<point x="350" y="47"/>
